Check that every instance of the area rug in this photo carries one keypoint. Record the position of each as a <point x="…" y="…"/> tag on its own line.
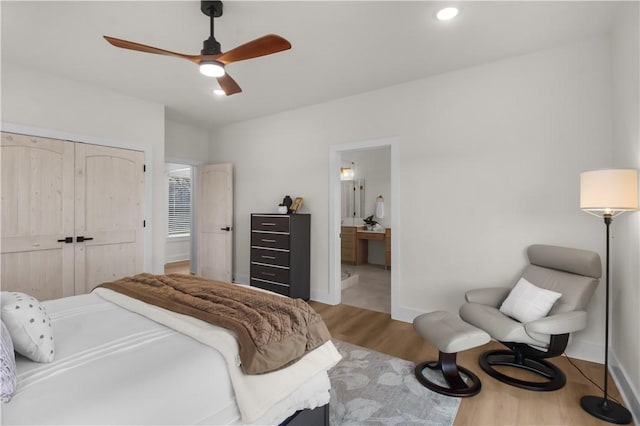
<point x="372" y="388"/>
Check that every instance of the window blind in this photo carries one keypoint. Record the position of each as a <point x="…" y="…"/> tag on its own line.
<point x="179" y="205"/>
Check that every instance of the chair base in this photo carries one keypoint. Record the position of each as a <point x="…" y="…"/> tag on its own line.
<point x="451" y="373"/>
<point x="555" y="378"/>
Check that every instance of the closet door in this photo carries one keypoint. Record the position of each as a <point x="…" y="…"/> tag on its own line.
<point x="37" y="211"/>
<point x="109" y="218"/>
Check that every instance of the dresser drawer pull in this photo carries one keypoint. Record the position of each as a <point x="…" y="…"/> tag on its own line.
<point x="269" y="274"/>
<point x="268" y="241"/>
<point x="268" y="224"/>
<point x="268" y="257"/>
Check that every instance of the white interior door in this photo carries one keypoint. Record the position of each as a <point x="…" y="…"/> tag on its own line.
<point x="215" y="221"/>
<point x="37" y="211"/>
<point x="109" y="196"/>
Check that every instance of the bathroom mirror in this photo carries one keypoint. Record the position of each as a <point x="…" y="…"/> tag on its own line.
<point x="352" y="200"/>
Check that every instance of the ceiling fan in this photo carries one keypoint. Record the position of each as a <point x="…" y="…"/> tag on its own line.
<point x="212" y="60"/>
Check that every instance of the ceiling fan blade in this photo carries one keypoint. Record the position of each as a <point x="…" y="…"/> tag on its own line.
<point x="229" y="85"/>
<point x="264" y="45"/>
<point x="125" y="44"/>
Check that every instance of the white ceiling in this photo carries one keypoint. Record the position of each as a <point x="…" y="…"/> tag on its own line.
<point x="340" y="48"/>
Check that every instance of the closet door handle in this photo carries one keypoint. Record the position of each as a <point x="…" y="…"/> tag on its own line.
<point x="67" y="240"/>
<point x="226" y="228"/>
<point x="82" y="239"/>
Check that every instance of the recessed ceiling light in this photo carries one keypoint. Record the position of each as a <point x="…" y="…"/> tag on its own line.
<point x="219" y="92"/>
<point x="447" y="13"/>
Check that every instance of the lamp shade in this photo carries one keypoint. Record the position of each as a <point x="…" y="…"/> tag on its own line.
<point x="609" y="191"/>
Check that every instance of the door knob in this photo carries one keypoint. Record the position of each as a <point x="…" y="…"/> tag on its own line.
<point x="67" y="240"/>
<point x="81" y="239"/>
<point x="226" y="228"/>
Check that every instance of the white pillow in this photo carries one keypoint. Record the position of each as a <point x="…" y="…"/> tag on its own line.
<point x="8" y="366"/>
<point x="29" y="326"/>
<point x="527" y="303"/>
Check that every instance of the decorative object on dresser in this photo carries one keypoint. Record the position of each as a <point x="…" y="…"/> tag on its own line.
<point x="286" y="201"/>
<point x="280" y="247"/>
<point x="297" y="203"/>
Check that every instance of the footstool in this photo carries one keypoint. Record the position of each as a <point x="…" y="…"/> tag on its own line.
<point x="450" y="335"/>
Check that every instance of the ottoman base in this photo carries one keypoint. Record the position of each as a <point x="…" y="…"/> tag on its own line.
<point x="446" y="364"/>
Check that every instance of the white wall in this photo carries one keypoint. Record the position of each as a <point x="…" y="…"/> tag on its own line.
<point x="38" y="100"/>
<point x="489" y="162"/>
<point x="625" y="251"/>
<point x="178" y="249"/>
<point x="186" y="143"/>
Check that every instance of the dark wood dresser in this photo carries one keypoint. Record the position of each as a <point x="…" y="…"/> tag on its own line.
<point x="280" y="260"/>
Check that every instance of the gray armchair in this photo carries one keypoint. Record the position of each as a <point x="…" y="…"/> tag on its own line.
<point x="573" y="273"/>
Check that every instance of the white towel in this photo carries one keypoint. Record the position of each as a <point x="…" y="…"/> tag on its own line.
<point x="380" y="207"/>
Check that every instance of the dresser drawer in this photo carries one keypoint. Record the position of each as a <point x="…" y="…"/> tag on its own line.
<point x="270" y="223"/>
<point x="274" y="287"/>
<point x="274" y="257"/>
<point x="270" y="273"/>
<point x="270" y="240"/>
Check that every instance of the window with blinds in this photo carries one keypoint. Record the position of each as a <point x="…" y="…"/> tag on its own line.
<point x="179" y="202"/>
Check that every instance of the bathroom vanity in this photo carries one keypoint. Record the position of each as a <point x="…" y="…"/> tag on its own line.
<point x="355" y="244"/>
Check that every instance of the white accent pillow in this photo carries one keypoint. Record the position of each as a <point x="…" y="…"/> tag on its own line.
<point x="527" y="303"/>
<point x="29" y="326"/>
<point x="8" y="366"/>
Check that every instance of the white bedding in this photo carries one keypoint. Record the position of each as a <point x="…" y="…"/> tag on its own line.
<point x="114" y="366"/>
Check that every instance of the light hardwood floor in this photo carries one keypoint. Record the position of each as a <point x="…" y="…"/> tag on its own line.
<point x="177" y="268"/>
<point x="497" y="403"/>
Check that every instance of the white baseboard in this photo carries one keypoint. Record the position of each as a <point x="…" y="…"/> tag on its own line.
<point x="177" y="258"/>
<point x="322" y="297"/>
<point x="630" y="397"/>
<point x="241" y="279"/>
<point x="404" y="313"/>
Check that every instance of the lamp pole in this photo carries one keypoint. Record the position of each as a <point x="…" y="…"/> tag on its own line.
<point x="602" y="407"/>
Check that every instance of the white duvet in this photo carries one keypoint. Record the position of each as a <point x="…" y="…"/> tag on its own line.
<point x="114" y="366"/>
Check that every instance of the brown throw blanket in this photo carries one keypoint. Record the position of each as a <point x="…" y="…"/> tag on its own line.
<point x="272" y="331"/>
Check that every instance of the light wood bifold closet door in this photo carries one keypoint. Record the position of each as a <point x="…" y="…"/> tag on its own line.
<point x="72" y="215"/>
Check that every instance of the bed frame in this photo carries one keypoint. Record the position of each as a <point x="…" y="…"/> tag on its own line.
<point x="319" y="416"/>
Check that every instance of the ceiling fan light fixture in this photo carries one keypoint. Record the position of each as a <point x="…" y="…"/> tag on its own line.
<point x="447" y="13"/>
<point x="219" y="92"/>
<point x="212" y="68"/>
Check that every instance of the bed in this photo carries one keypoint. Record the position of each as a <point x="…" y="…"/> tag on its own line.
<point x="119" y="360"/>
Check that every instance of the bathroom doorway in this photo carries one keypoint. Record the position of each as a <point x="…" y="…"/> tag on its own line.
<point x="365" y="231"/>
<point x="363" y="222"/>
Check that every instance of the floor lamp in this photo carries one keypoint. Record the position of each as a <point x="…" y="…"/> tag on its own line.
<point x="607" y="193"/>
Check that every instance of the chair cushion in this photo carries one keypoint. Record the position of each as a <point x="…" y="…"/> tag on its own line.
<point x="575" y="261"/>
<point x="576" y="289"/>
<point x="527" y="303"/>
<point x="498" y="325"/>
<point x="449" y="333"/>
